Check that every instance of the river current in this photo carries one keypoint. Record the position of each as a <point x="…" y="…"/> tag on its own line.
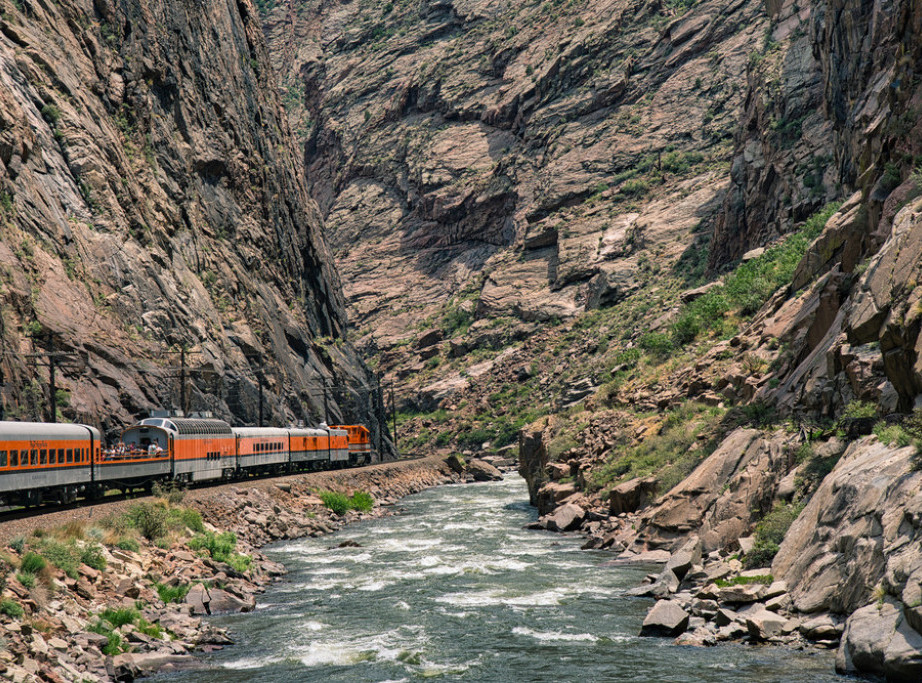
<point x="452" y="587"/>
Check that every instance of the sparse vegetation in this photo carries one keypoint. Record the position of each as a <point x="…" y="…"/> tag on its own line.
<point x="687" y="435"/>
<point x="770" y="533"/>
<point x="749" y="286"/>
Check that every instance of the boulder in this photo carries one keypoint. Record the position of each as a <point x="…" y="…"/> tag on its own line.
<point x="879" y="641"/>
<point x="454" y="461"/>
<point x="861" y="528"/>
<point x="221" y="601"/>
<point x="685" y="558"/>
<point x="742" y="594"/>
<point x="551" y="494"/>
<point x="632" y="495"/>
<point x="198" y="597"/>
<point x="725" y="495"/>
<point x="764" y="624"/>
<point x="823" y="627"/>
<point x="567" y="517"/>
<point x="483" y="471"/>
<point x="666" y="619"/>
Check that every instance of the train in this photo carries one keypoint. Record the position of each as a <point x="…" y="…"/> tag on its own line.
<point x="63" y="462"/>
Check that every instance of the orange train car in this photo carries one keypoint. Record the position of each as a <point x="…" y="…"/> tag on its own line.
<point x="63" y="461"/>
<point x="360" y="450"/>
<point x="50" y="460"/>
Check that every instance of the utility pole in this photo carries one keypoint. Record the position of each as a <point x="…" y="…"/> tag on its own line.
<point x="182" y="380"/>
<point x="2" y="387"/>
<point x="52" y="389"/>
<point x="259" y="380"/>
<point x="394" y="415"/>
<point x="326" y="404"/>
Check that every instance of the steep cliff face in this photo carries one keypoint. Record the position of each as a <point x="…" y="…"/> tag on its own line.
<point x="152" y="199"/>
<point x="528" y="157"/>
<point x="831" y="108"/>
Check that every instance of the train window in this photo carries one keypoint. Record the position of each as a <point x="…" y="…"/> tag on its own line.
<point x="52" y="456"/>
<point x="70" y="455"/>
<point x="2" y="458"/>
<point x="14" y="458"/>
<point x="43" y="457"/>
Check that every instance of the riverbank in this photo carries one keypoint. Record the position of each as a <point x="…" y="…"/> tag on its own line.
<point x="117" y="591"/>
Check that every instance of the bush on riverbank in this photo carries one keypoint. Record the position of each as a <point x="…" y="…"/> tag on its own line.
<point x="340" y="503"/>
<point x="221" y="549"/>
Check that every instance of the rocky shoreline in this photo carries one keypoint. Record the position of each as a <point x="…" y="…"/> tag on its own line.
<point x="844" y="569"/>
<point x="141" y="611"/>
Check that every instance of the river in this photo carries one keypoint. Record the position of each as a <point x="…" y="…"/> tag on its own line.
<point x="454" y="588"/>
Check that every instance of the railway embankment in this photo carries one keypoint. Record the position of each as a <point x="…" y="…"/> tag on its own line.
<point x="117" y="591"/>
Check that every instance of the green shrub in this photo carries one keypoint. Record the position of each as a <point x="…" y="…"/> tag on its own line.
<point x="361" y="501"/>
<point x="337" y="502"/>
<point x="185" y="518"/>
<point x="759" y="414"/>
<point x="219" y="546"/>
<point x="240" y="562"/>
<point x="92" y="556"/>
<point x="120" y="616"/>
<point x="656" y="344"/>
<point x="51" y="114"/>
<point x="172" y="593"/>
<point x="32" y="563"/>
<point x="149" y="629"/>
<point x="64" y="556"/>
<point x="761" y="555"/>
<point x="893" y="435"/>
<point x="11" y="608"/>
<point x="114" y="646"/>
<point x="150" y="519"/>
<point x="128" y="543"/>
<point x="18" y="544"/>
<point x="26" y="579"/>
<point x="859" y="409"/>
<point x="770" y="533"/>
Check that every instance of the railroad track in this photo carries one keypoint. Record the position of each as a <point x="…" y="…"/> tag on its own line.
<point x="12" y="514"/>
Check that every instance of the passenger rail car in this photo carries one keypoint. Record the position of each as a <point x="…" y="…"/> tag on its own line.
<point x="61" y="462"/>
<point x="50" y="459"/>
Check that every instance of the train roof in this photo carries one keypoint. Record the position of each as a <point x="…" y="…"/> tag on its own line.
<point x="44" y="430"/>
<point x="260" y="431"/>
<point x="186" y="425"/>
<point x="314" y="431"/>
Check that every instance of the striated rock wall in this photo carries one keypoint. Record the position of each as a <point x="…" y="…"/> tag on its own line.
<point x="522" y="154"/>
<point x="152" y="198"/>
<point x="832" y="107"/>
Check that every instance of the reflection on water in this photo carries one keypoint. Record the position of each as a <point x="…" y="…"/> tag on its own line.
<point x="455" y="589"/>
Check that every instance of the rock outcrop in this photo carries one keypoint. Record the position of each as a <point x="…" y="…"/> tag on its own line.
<point x="725" y="495"/>
<point x="153" y="199"/>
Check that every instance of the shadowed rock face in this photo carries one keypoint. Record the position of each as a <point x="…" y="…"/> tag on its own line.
<point x="529" y="152"/>
<point x="831" y="106"/>
<point x="152" y="198"/>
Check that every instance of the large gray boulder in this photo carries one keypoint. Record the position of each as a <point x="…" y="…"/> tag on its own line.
<point x="632" y="495"/>
<point x="666" y="619"/>
<point x="878" y="640"/>
<point x="725" y="495"/>
<point x="685" y="557"/>
<point x="483" y="471"/>
<point x="862" y="528"/>
<point x="568" y="517"/>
